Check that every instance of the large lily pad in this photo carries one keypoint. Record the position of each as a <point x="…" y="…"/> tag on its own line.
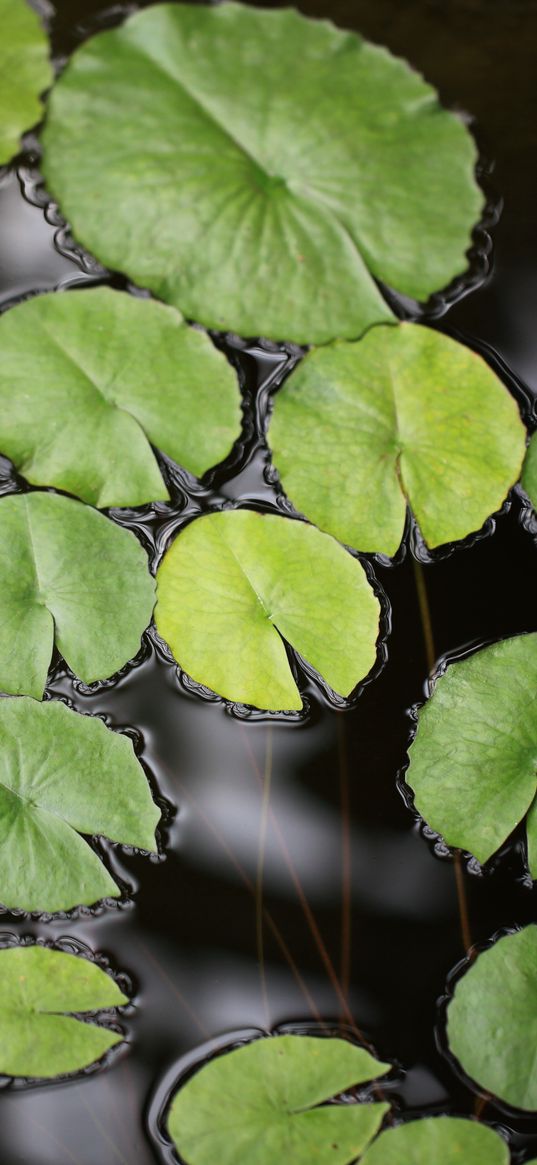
<point x="529" y="475"/>
<point x="257" y="1105"/>
<point x="231" y="581"/>
<point x="38" y="989"/>
<point x="25" y="71"/>
<point x="67" y="576"/>
<point x="88" y="378"/>
<point x="492" y="1019"/>
<point x="257" y="169"/>
<point x="62" y="774"/>
<point x="473" y="763"/>
<point x="446" y="1140"/>
<point x="405" y="415"/>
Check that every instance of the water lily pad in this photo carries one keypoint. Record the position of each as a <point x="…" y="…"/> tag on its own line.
<point x="449" y="1140"/>
<point x="257" y="1104"/>
<point x="71" y="577"/>
<point x="25" y="71"/>
<point x="89" y="378"/>
<point x="492" y="1019"/>
<point x="260" y="170"/>
<point x="529" y="474"/>
<point x="231" y="581"/>
<point x="473" y="763"/>
<point x="62" y="774"/>
<point x="38" y="989"/>
<point x="405" y="415"/>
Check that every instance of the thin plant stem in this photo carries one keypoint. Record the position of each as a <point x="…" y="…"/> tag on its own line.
<point x="275" y="930"/>
<point x="430" y="652"/>
<point x="308" y="913"/>
<point x="265" y="805"/>
<point x="59" y="1144"/>
<point x="346" y="859"/>
<point x="104" y="1133"/>
<point x="174" y="990"/>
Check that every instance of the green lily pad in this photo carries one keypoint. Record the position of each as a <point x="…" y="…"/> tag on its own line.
<point x="405" y="415"/>
<point x="443" y="1139"/>
<point x="529" y="473"/>
<point x="259" y="170"/>
<point x="88" y="378"/>
<point x="62" y="774"/>
<point x="473" y="763"/>
<point x="38" y="989"/>
<point x="67" y="576"/>
<point x="25" y="71"/>
<point x="231" y="581"/>
<point x="257" y="1104"/>
<point x="492" y="1019"/>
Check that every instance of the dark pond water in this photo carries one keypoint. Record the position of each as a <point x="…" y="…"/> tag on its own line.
<point x="362" y="921"/>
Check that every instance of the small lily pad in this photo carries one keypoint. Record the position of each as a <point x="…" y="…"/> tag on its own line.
<point x="89" y="378"/>
<point x="492" y="1019"/>
<point x="260" y="170"/>
<point x="25" y="71"/>
<point x="71" y="577"/>
<point x="38" y="989"/>
<point x="258" y="1104"/>
<point x="473" y="763"/>
<point x="406" y="415"/>
<point x="62" y="774"/>
<point x="441" y="1140"/>
<point x="529" y="473"/>
<point x="232" y="580"/>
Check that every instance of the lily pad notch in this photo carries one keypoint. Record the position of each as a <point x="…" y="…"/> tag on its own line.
<point x="405" y="417"/>
<point x="91" y="378"/>
<point x="46" y="996"/>
<point x="235" y="584"/>
<point x="226" y="204"/>
<point x="264" y="1103"/>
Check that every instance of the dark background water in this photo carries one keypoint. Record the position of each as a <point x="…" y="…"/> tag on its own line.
<point x="390" y="932"/>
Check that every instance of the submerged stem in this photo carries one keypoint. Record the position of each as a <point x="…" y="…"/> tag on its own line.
<point x="265" y="805"/>
<point x="346" y="857"/>
<point x="428" y="638"/>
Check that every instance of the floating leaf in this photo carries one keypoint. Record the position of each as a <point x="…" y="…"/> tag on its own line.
<point x="25" y="71"/>
<point x="529" y="474"/>
<point x="70" y="576"/>
<point x="62" y="774"/>
<point x="407" y="414"/>
<point x="232" y="580"/>
<point x="257" y="1104"/>
<point x="88" y="378"/>
<point x="492" y="1019"/>
<point x="443" y="1139"/>
<point x="473" y="763"/>
<point x="38" y="987"/>
<point x="269" y="167"/>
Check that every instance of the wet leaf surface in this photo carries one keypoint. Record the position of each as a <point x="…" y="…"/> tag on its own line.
<point x="448" y="1140"/>
<point x="253" y="148"/>
<point x="25" y="71"/>
<point x="231" y="581"/>
<point x="256" y="1104"/>
<point x="473" y="763"/>
<point x="61" y="775"/>
<point x="38" y="989"/>
<point x="89" y="378"/>
<point x="492" y="1019"/>
<point x="70" y="577"/>
<point x="407" y="414"/>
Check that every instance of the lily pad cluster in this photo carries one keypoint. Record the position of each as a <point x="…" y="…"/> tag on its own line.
<point x="242" y="216"/>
